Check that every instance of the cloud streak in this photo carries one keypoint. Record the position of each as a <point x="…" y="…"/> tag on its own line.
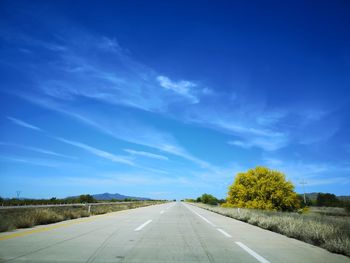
<point x="266" y="143"/>
<point x="182" y="87"/>
<point x="146" y="154"/>
<point x="124" y="129"/>
<point x="36" y="162"/>
<point x="23" y="123"/>
<point x="38" y="150"/>
<point x="313" y="173"/>
<point x="98" y="152"/>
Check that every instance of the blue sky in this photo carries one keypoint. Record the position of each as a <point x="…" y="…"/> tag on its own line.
<point x="171" y="100"/>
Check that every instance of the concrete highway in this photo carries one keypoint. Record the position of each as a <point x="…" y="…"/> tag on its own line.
<point x="171" y="232"/>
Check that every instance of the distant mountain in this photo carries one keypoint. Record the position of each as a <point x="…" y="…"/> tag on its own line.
<point x="313" y="197"/>
<point x="108" y="196"/>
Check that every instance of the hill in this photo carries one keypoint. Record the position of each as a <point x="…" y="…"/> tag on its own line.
<point x="108" y="196"/>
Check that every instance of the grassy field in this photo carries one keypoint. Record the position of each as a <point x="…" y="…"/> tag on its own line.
<point x="328" y="211"/>
<point x="328" y="228"/>
<point x="28" y="217"/>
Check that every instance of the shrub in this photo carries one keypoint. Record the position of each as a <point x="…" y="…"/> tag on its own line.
<point x="46" y="216"/>
<point x="209" y="199"/>
<point x="86" y="199"/>
<point x="6" y="225"/>
<point x="24" y="221"/>
<point x="327" y="199"/>
<point x="71" y="214"/>
<point x="262" y="188"/>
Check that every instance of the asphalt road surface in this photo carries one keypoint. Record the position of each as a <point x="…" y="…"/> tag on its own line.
<point x="171" y="232"/>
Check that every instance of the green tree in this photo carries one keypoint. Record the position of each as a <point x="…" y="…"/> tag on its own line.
<point x="209" y="199"/>
<point x="327" y="199"/>
<point x="262" y="188"/>
<point x="86" y="199"/>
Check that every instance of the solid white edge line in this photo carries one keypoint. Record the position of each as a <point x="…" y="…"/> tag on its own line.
<point x="253" y="253"/>
<point x="143" y="225"/>
<point x="224" y="233"/>
<point x="206" y="220"/>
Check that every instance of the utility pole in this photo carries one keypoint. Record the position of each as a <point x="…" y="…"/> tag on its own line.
<point x="303" y="183"/>
<point x="18" y="194"/>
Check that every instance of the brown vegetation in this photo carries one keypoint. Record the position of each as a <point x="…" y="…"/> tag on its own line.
<point x="329" y="232"/>
<point x="28" y="217"/>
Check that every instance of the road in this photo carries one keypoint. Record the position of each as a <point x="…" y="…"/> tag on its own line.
<point x="171" y="232"/>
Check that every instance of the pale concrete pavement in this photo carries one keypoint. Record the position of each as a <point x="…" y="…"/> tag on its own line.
<point x="172" y="232"/>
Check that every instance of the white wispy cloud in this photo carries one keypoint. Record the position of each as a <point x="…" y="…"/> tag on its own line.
<point x="270" y="118"/>
<point x="124" y="129"/>
<point x="240" y="122"/>
<point x="141" y="179"/>
<point x="313" y="173"/>
<point x="39" y="150"/>
<point x="110" y="44"/>
<point x="242" y="144"/>
<point x="327" y="181"/>
<point x="182" y="87"/>
<point x="98" y="152"/>
<point x="113" y="76"/>
<point x="146" y="154"/>
<point x="142" y="135"/>
<point x="273" y="162"/>
<point x="23" y="123"/>
<point x="114" y="180"/>
<point x="88" y="148"/>
<point x="266" y="143"/>
<point x="120" y="79"/>
<point x="30" y="161"/>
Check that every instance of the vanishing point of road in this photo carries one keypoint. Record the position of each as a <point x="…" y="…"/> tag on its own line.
<point x="170" y="232"/>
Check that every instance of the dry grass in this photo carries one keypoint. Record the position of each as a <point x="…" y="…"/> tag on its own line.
<point x="329" y="211"/>
<point x="28" y="217"/>
<point x="329" y="232"/>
